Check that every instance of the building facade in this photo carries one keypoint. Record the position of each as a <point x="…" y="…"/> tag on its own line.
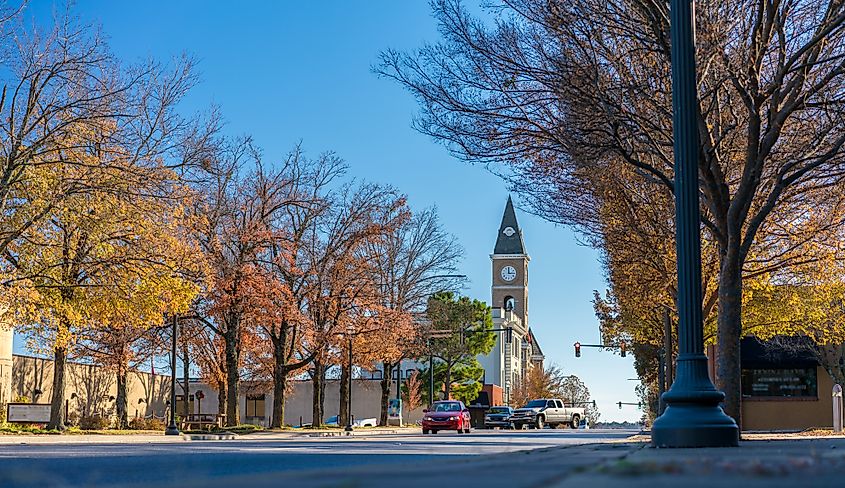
<point x="516" y="352"/>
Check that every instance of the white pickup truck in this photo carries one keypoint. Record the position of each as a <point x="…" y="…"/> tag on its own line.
<point x="547" y="411"/>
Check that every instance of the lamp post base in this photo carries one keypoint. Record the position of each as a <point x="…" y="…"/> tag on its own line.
<point x="348" y="428"/>
<point x="693" y="417"/>
<point x="171" y="430"/>
<point x="694" y="425"/>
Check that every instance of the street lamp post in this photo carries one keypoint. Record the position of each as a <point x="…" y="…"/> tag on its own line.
<point x="349" y="427"/>
<point x="693" y="417"/>
<point x="172" y="429"/>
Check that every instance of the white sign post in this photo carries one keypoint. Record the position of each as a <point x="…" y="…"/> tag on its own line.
<point x="28" y="413"/>
<point x="837" y="408"/>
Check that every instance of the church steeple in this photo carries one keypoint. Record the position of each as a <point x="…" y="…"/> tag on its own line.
<point x="509" y="240"/>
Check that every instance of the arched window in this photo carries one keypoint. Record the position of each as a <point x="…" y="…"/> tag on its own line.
<point x="510" y="303"/>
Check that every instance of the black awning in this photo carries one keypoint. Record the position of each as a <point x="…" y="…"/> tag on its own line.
<point x="783" y="352"/>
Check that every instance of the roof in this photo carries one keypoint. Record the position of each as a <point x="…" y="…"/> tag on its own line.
<point x="509" y="242"/>
<point x="535" y="346"/>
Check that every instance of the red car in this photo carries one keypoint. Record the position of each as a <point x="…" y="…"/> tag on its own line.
<point x="446" y="415"/>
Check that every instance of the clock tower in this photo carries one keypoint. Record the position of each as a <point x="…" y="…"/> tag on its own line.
<point x="510" y="268"/>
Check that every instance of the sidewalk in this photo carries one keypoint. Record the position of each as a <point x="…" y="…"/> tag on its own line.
<point x="762" y="461"/>
<point x="149" y="438"/>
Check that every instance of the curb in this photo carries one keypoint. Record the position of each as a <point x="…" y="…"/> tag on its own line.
<point x="225" y="436"/>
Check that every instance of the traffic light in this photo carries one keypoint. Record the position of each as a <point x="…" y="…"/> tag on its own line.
<point x="577" y="349"/>
<point x="620" y="405"/>
<point x="622" y="348"/>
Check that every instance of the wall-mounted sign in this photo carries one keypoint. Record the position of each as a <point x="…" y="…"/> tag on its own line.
<point x="792" y="382"/>
<point x="30" y="413"/>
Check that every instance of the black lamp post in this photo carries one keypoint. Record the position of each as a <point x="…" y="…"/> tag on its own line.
<point x="349" y="427"/>
<point x="693" y="417"/>
<point x="172" y="429"/>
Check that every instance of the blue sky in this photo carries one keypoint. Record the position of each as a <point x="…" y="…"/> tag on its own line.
<point x="286" y="72"/>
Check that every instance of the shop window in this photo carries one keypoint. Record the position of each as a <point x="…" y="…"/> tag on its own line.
<point x="796" y="382"/>
<point x="255" y="405"/>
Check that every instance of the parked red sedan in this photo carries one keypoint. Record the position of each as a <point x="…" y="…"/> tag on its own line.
<point x="446" y="415"/>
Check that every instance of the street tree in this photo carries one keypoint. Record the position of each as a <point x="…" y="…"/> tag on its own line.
<point x="104" y="267"/>
<point x="232" y="228"/>
<point x="414" y="261"/>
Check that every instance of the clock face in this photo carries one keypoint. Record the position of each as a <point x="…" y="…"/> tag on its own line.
<point x="508" y="273"/>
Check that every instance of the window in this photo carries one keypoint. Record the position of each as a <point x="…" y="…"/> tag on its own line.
<point x="559" y="403"/>
<point x="509" y="303"/>
<point x="796" y="382"/>
<point x="255" y="405"/>
<point x="447" y="407"/>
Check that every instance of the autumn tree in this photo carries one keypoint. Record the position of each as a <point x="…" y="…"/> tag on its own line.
<point x="291" y="260"/>
<point x="346" y="304"/>
<point x="104" y="267"/>
<point x="414" y="261"/>
<point x="559" y="89"/>
<point x="233" y="228"/>
<point x="468" y="322"/>
<point x="59" y="88"/>
<point x="412" y="394"/>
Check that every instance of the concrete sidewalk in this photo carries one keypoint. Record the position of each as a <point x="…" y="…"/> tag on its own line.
<point x="764" y="461"/>
<point x="148" y="438"/>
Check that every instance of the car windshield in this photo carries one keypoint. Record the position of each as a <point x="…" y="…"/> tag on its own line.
<point x="536" y="404"/>
<point x="499" y="410"/>
<point x="447" y="407"/>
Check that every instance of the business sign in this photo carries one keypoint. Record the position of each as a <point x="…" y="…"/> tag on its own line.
<point x="394" y="408"/>
<point x="31" y="413"/>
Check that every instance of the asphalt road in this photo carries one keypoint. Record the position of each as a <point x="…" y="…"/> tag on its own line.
<point x="385" y="460"/>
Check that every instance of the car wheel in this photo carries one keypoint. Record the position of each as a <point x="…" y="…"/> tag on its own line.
<point x="576" y="421"/>
<point x="425" y="431"/>
<point x="433" y="431"/>
<point x="540" y="422"/>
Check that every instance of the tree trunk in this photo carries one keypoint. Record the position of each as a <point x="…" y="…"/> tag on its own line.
<point x="121" y="403"/>
<point x="278" y="404"/>
<point x="386" y="381"/>
<point x="318" y="387"/>
<point x="186" y="388"/>
<point x="279" y="380"/>
<point x="221" y="399"/>
<point x="728" y="366"/>
<point x="57" y="401"/>
<point x="343" y="408"/>
<point x="232" y="376"/>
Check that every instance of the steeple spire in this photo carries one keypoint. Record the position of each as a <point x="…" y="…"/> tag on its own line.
<point x="509" y="240"/>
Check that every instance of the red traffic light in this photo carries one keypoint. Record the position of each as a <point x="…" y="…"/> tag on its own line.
<point x="577" y="349"/>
